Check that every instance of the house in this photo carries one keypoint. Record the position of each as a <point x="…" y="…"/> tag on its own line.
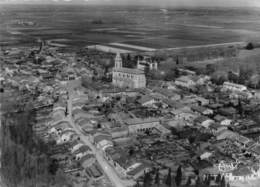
<point x="242" y="140"/>
<point x="171" y="86"/>
<point x="119" y="132"/>
<point x="147" y="62"/>
<point x="136" y="125"/>
<point x="138" y="169"/>
<point x="118" y="159"/>
<point x="185" y="81"/>
<point x="203" y="79"/>
<point x="125" y="166"/>
<point x="146" y="100"/>
<point x="81" y="152"/>
<point x="59" y="126"/>
<point x="202" y="110"/>
<point x="58" y="114"/>
<point x="203" y="121"/>
<point x="76" y="147"/>
<point x="226" y="122"/>
<point x="177" y="123"/>
<point x="226" y="134"/>
<point x="66" y="136"/>
<point x="228" y="86"/>
<point x="168" y="94"/>
<point x="205" y="155"/>
<point x="185" y="115"/>
<point x="94" y="171"/>
<point x="103" y="140"/>
<point x="255" y="149"/>
<point x="215" y="128"/>
<point x="230" y="111"/>
<point x="219" y="118"/>
<point x="87" y="160"/>
<point x="244" y="173"/>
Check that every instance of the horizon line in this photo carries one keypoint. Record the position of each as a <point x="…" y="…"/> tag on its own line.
<point x="124" y="5"/>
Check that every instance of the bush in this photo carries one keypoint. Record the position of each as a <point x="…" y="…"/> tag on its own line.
<point x="250" y="46"/>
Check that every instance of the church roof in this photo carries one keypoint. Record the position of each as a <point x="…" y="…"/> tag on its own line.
<point x="129" y="71"/>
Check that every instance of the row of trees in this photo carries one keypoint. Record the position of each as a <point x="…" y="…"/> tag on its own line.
<point x="25" y="161"/>
<point x="169" y="181"/>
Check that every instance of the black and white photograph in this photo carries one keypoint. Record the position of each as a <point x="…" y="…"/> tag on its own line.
<point x="129" y="93"/>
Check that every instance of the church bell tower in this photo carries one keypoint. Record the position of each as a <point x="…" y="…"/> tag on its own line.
<point x="118" y="61"/>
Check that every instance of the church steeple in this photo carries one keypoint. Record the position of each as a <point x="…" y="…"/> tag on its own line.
<point x="118" y="61"/>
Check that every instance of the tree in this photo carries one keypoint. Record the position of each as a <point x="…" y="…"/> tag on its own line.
<point x="168" y="181"/>
<point x="219" y="77"/>
<point x="188" y="183"/>
<point x="244" y="74"/>
<point x="240" y="108"/>
<point x="255" y="81"/>
<point x="223" y="182"/>
<point x="131" y="151"/>
<point x="176" y="72"/>
<point x="178" y="177"/>
<point x="128" y="57"/>
<point x="210" y="68"/>
<point x="157" y="178"/>
<point x="232" y="77"/>
<point x="53" y="167"/>
<point x="228" y="185"/>
<point x="250" y="46"/>
<point x="218" y="179"/>
<point x="137" y="184"/>
<point x="147" y="180"/>
<point x="198" y="182"/>
<point x="174" y="131"/>
<point x="207" y="180"/>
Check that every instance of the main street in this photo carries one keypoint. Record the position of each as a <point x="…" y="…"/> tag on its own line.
<point x="109" y="171"/>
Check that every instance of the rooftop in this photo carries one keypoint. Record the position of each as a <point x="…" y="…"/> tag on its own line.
<point x="242" y="171"/>
<point x="129" y="71"/>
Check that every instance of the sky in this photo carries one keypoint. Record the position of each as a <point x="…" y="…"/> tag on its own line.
<point x="174" y="3"/>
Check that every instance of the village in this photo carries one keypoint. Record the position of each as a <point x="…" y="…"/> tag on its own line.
<point x="113" y="125"/>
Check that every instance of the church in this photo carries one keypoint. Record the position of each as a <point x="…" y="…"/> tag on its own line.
<point x="127" y="77"/>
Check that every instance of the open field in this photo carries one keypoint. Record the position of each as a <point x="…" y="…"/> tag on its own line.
<point x="144" y="27"/>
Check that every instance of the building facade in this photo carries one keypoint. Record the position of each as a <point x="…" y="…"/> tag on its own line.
<point x="147" y="63"/>
<point x="234" y="87"/>
<point x="126" y="77"/>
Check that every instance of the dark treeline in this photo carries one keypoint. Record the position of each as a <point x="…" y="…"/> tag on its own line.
<point x="25" y="161"/>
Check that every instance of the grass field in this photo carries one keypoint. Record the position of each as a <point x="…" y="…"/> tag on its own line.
<point x="147" y="27"/>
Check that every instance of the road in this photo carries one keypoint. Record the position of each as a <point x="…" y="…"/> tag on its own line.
<point x="109" y="171"/>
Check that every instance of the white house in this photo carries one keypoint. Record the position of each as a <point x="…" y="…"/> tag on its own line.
<point x="226" y="122"/>
<point x="76" y="147"/>
<point x="185" y="81"/>
<point x="244" y="174"/>
<point x="81" y="152"/>
<point x="205" y="155"/>
<point x="65" y="137"/>
<point x="146" y="100"/>
<point x="228" y="86"/>
<point x="103" y="140"/>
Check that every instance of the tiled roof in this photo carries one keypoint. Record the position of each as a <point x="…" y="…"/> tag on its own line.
<point x="138" y="169"/>
<point x="134" y="121"/>
<point x="243" y="171"/>
<point x="129" y="71"/>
